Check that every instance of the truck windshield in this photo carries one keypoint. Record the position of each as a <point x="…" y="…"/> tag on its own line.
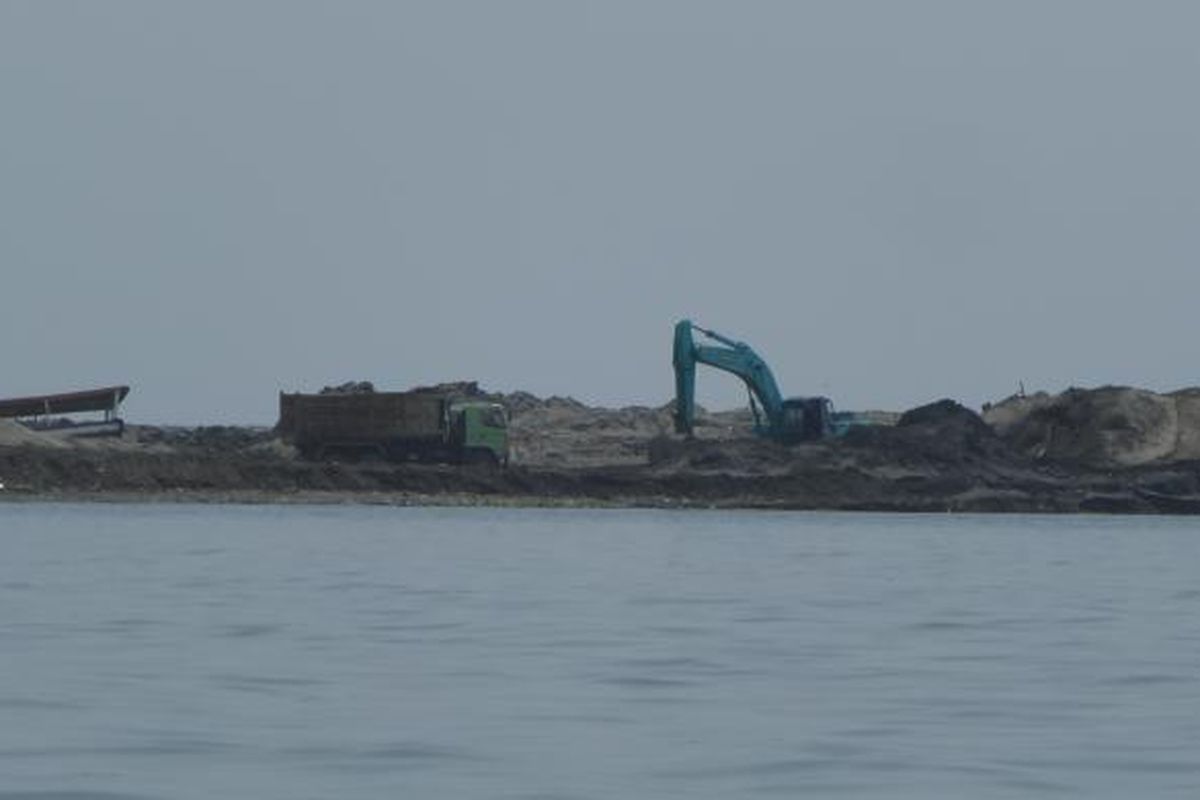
<point x="493" y="417"/>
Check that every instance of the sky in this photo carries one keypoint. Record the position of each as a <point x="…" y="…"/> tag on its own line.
<point x="891" y="202"/>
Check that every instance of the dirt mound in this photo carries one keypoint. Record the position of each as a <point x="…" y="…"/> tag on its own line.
<point x="1011" y="412"/>
<point x="14" y="434"/>
<point x="945" y="413"/>
<point x="563" y="432"/>
<point x="747" y="454"/>
<point x="350" y="387"/>
<point x="943" y="432"/>
<point x="1109" y="426"/>
<point x="205" y="438"/>
<point x="1187" y="416"/>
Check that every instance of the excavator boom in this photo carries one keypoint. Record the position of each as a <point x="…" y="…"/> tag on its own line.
<point x="789" y="420"/>
<point x="734" y="357"/>
<point x="684" y="359"/>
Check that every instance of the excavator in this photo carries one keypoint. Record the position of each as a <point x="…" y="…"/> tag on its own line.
<point x="795" y="419"/>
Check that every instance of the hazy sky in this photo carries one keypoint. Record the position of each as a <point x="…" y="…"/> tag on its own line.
<point x="892" y="202"/>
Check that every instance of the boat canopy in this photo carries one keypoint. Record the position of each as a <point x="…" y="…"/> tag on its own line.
<point x="104" y="399"/>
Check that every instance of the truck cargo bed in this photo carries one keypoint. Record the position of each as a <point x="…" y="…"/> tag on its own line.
<point x="361" y="419"/>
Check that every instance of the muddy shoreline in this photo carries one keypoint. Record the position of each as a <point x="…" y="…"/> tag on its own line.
<point x="939" y="458"/>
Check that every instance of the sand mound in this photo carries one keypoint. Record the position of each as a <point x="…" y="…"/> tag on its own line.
<point x="1109" y="426"/>
<point x="943" y="432"/>
<point x="563" y="432"/>
<point x="14" y="434"/>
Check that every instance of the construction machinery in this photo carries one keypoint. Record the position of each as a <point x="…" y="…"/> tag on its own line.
<point x="790" y="420"/>
<point x="47" y="413"/>
<point x="417" y="425"/>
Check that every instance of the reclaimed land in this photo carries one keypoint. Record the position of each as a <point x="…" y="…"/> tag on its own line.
<point x="1114" y="450"/>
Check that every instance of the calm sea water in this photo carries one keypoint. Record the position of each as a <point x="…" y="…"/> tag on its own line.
<point x="275" y="652"/>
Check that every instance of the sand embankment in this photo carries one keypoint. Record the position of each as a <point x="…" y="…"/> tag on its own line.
<point x="14" y="434"/>
<point x="1109" y="426"/>
<point x="1112" y="449"/>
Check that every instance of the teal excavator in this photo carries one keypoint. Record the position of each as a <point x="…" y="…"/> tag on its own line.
<point x="795" y="419"/>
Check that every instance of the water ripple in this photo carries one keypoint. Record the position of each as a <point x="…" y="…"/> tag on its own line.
<point x="71" y="795"/>
<point x="349" y="652"/>
<point x="405" y="755"/>
<point x="251" y="630"/>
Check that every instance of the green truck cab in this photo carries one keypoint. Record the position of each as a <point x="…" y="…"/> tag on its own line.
<point x="481" y="430"/>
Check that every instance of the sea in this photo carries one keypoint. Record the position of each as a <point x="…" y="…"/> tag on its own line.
<point x="163" y="651"/>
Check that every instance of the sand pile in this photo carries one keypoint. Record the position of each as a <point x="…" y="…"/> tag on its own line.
<point x="1187" y="417"/>
<point x="747" y="454"/>
<point x="562" y="432"/>
<point x="939" y="433"/>
<point x="14" y="434"/>
<point x="1109" y="426"/>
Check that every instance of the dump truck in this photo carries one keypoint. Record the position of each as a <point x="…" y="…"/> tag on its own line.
<point x="398" y="426"/>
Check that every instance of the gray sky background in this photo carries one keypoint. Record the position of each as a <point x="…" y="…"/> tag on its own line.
<point x="891" y="201"/>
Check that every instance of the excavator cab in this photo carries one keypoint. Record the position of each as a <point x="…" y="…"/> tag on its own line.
<point x="805" y="419"/>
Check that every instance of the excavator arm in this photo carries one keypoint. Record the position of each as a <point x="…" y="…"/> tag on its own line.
<point x="731" y="356"/>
